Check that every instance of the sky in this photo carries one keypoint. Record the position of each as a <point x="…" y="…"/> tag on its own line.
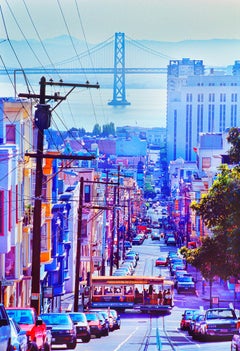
<point x="98" y="20"/>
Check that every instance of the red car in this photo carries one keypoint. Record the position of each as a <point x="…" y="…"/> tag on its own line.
<point x="186" y="319"/>
<point x="161" y="261"/>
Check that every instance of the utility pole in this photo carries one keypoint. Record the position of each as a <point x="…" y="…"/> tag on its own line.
<point x="113" y="228"/>
<point x="78" y="255"/>
<point x="118" y="221"/>
<point x="105" y="236"/>
<point x="42" y="122"/>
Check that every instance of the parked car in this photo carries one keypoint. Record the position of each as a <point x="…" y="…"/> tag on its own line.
<point x="108" y="319"/>
<point x="168" y="235"/>
<point x="82" y="328"/>
<point x="132" y="252"/>
<point x="94" y="324"/>
<point x="5" y="330"/>
<point x="155" y="235"/>
<point x="195" y="325"/>
<point x="104" y="322"/>
<point x="161" y="261"/>
<point x="131" y="258"/>
<point x="127" y="245"/>
<point x="39" y="336"/>
<point x="179" y="273"/>
<point x="19" y="340"/>
<point x="138" y="240"/>
<point x="218" y="323"/>
<point x="186" y="318"/>
<point x="171" y="241"/>
<point x="116" y="319"/>
<point x="185" y="284"/>
<point x="62" y="328"/>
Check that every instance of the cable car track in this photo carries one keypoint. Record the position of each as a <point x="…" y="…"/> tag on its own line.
<point x="152" y="340"/>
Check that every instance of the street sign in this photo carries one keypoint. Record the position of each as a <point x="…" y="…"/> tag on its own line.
<point x="237" y="288"/>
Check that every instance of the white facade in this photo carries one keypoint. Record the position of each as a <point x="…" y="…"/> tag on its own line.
<point x="199" y="103"/>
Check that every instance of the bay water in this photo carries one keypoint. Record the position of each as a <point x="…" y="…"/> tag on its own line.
<point x="84" y="108"/>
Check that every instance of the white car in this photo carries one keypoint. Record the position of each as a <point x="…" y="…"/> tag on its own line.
<point x="18" y="337"/>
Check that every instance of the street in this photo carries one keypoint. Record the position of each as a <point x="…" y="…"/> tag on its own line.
<point x="143" y="332"/>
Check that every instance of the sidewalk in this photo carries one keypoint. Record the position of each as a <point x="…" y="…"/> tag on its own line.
<point x="222" y="296"/>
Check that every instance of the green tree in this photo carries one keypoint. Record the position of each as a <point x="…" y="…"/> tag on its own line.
<point x="97" y="129"/>
<point x="108" y="129"/>
<point x="220" y="209"/>
<point x="234" y="139"/>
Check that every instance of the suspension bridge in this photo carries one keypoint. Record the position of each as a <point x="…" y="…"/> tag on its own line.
<point x="114" y="56"/>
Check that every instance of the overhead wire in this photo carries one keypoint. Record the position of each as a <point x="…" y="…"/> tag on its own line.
<point x="88" y="50"/>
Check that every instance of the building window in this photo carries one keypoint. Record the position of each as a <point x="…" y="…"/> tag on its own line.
<point x="200" y="97"/>
<point x="210" y="118"/>
<point x="11" y="134"/>
<point x="222" y="97"/>
<point x="87" y="193"/>
<point x="233" y="97"/>
<point x="189" y="98"/>
<point x="233" y="115"/>
<point x="211" y="97"/>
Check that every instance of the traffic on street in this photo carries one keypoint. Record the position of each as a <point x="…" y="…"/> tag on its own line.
<point x="164" y="331"/>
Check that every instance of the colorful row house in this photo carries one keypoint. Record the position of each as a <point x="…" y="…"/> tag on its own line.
<point x="95" y="216"/>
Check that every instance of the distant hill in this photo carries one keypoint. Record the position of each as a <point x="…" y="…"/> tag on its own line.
<point x="215" y="52"/>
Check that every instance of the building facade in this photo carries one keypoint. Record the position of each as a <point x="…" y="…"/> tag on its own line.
<point x="199" y="102"/>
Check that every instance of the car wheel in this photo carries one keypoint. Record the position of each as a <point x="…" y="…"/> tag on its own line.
<point x="46" y="347"/>
<point x="86" y="339"/>
<point x="72" y="345"/>
<point x="33" y="347"/>
<point x="106" y="333"/>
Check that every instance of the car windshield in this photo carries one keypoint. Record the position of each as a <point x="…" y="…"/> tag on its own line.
<point x="91" y="317"/>
<point x="55" y="319"/>
<point x="21" y="316"/>
<point x="184" y="279"/>
<point x="78" y="317"/>
<point x="220" y="313"/>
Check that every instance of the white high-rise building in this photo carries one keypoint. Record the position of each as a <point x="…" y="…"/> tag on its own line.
<point x="199" y="102"/>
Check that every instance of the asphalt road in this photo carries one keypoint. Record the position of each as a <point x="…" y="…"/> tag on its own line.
<point x="144" y="332"/>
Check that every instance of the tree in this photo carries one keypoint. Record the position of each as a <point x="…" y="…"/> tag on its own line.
<point x="108" y="129"/>
<point x="220" y="207"/>
<point x="234" y="139"/>
<point x="97" y="129"/>
<point x="212" y="259"/>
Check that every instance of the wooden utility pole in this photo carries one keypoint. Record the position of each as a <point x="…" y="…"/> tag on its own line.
<point x="118" y="217"/>
<point x="79" y="239"/>
<point x="113" y="229"/>
<point x="42" y="122"/>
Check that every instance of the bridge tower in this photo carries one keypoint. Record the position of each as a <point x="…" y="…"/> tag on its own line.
<point x="119" y="91"/>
